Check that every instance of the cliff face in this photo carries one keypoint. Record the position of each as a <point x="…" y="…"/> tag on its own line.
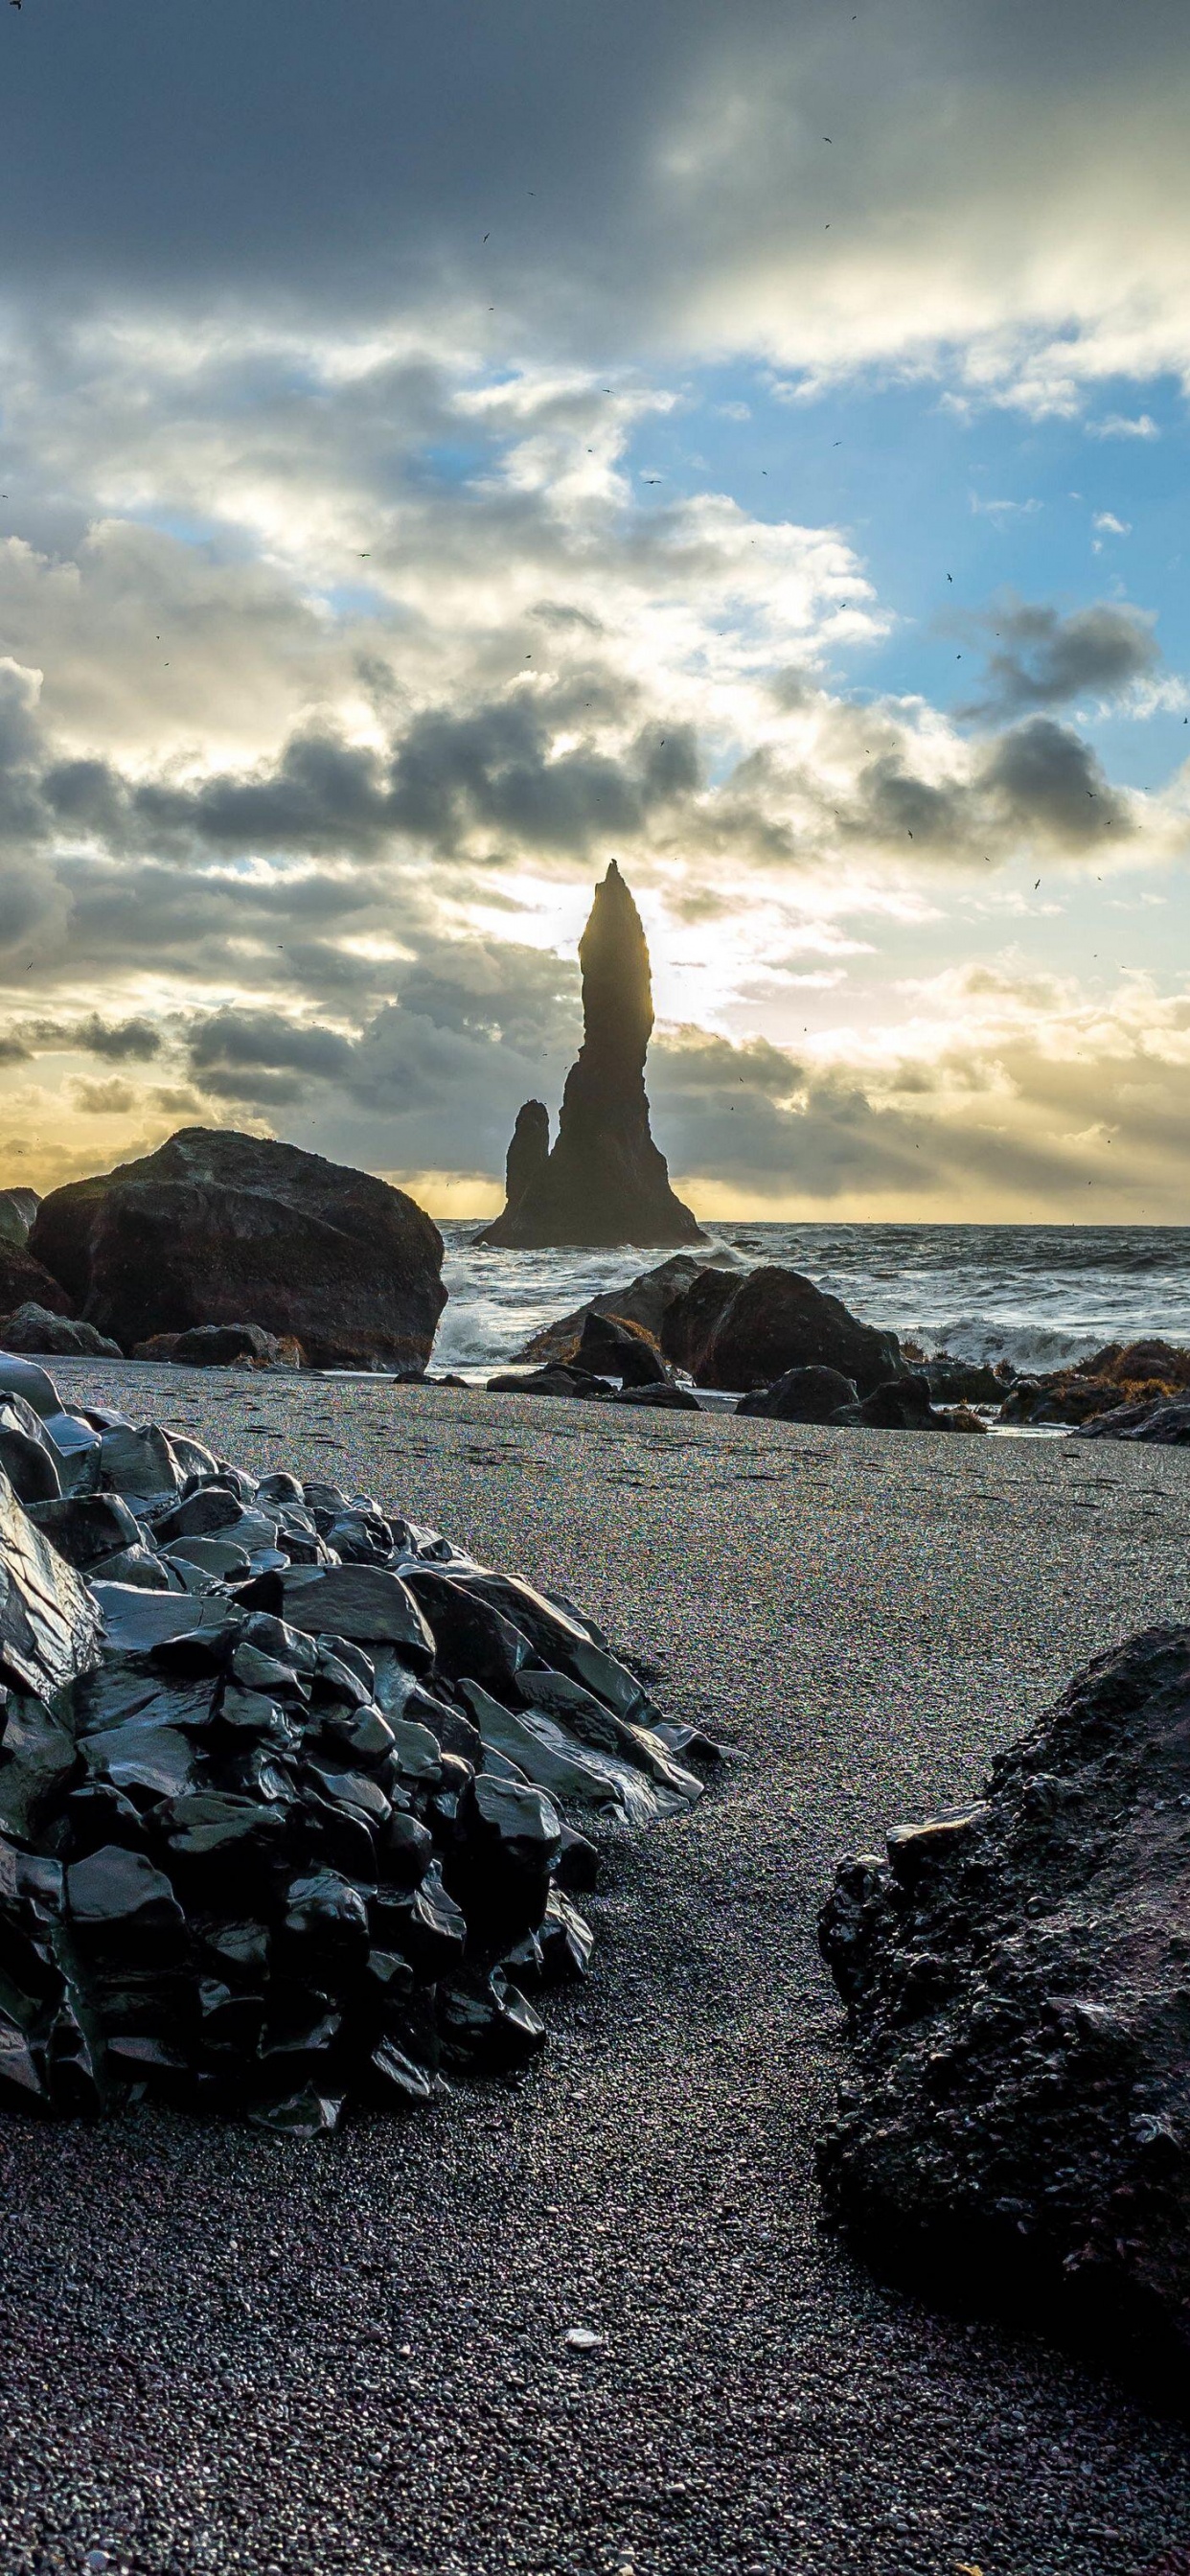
<point x="605" y="1181"/>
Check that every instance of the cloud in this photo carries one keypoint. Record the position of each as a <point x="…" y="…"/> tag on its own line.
<point x="1116" y="424"/>
<point x="1038" y="658"/>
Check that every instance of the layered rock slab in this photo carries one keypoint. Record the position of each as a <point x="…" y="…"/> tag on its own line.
<point x="1017" y="1981"/>
<point x="215" y="1226"/>
<point x="605" y="1181"/>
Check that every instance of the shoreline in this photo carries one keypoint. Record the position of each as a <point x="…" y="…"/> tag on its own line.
<point x="224" y="2353"/>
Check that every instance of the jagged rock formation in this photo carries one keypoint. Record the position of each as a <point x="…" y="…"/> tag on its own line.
<point x="216" y="1226"/>
<point x="286" y="1786"/>
<point x="1017" y="2121"/>
<point x="605" y="1181"/>
<point x="528" y="1152"/>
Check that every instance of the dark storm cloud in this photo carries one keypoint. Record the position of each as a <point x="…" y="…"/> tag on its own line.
<point x="1039" y="658"/>
<point x="1041" y="776"/>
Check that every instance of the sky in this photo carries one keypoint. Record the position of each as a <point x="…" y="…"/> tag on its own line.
<point x="442" y="450"/>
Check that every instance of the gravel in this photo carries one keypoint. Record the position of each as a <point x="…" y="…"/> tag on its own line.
<point x="373" y="2354"/>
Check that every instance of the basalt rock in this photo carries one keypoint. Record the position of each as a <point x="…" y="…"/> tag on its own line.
<point x="1132" y="1374"/>
<point x="278" y="1857"/>
<point x="554" y="1380"/>
<point x="772" y="1321"/>
<point x="1017" y="1980"/>
<point x="605" y="1181"/>
<point x="1165" y="1422"/>
<point x="610" y="1347"/>
<point x="17" y="1211"/>
<point x="904" y="1405"/>
<point x="802" y="1395"/>
<point x="645" y="1300"/>
<point x="215" y="1226"/>
<point x="34" y="1329"/>
<point x="528" y="1152"/>
<point x="26" y="1282"/>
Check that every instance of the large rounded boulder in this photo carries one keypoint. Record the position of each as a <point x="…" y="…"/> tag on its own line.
<point x="215" y="1226"/>
<point x="770" y="1322"/>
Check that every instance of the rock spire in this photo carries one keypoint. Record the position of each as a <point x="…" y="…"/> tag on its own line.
<point x="605" y="1180"/>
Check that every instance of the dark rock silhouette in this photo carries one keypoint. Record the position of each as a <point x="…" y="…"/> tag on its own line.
<point x="605" y="1181"/>
<point x="216" y="1226"/>
<point x="23" y="1282"/>
<point x="802" y="1395"/>
<point x="748" y="1333"/>
<point x="1014" y="2126"/>
<point x="528" y="1153"/>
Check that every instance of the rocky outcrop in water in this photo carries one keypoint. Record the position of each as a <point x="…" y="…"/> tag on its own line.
<point x="645" y="1300"/>
<point x="294" y="1796"/>
<point x="605" y="1181"/>
<point x="216" y="1226"/>
<point x="1017" y="1979"/>
<point x="744" y="1334"/>
<point x="1134" y="1374"/>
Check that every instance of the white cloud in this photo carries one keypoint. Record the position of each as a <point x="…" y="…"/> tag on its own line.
<point x="1117" y="425"/>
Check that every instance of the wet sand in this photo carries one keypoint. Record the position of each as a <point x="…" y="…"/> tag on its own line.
<point x="221" y="2352"/>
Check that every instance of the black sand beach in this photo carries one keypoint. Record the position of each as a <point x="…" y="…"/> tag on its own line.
<point x="221" y="2352"/>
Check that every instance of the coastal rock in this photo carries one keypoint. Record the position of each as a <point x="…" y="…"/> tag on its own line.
<point x="1017" y="2124"/>
<point x="54" y="1336"/>
<point x="279" y="1859"/>
<point x="17" y="1211"/>
<point x="49" y="1624"/>
<point x="644" y="1300"/>
<point x="953" y="1381"/>
<point x="612" y="1348"/>
<point x="802" y="1395"/>
<point x="692" y="1317"/>
<point x="605" y="1181"/>
<point x="528" y="1152"/>
<point x="1165" y="1422"/>
<point x="555" y="1380"/>
<point x="26" y="1282"/>
<point x="216" y="1225"/>
<point x="776" y="1320"/>
<point x="671" y="1399"/>
<point x="1134" y="1374"/>
<point x="903" y="1405"/>
<point x="232" y="1345"/>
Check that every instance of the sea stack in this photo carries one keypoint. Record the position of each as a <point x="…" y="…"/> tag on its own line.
<point x="605" y="1181"/>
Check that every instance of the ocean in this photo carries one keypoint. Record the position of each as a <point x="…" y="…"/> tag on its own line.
<point x="1039" y="1296"/>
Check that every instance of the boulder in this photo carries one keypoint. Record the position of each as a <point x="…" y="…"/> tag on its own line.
<point x="235" y="1345"/>
<point x="605" y="1181"/>
<point x="802" y="1395"/>
<point x="217" y="1225"/>
<point x="1165" y="1422"/>
<point x="610" y="1347"/>
<point x="903" y="1405"/>
<point x="954" y="1381"/>
<point x="26" y="1282"/>
<point x="1016" y="2123"/>
<point x="693" y="1314"/>
<point x="34" y="1328"/>
<point x="776" y="1320"/>
<point x="644" y="1300"/>
<point x="555" y="1380"/>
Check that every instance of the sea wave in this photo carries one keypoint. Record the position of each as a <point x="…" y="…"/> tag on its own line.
<point x="1040" y="1297"/>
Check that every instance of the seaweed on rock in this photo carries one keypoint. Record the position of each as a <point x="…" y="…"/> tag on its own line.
<point x="288" y="1788"/>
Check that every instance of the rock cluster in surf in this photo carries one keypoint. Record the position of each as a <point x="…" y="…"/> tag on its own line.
<point x="1017" y="1981"/>
<point x="290" y="1791"/>
<point x="605" y="1180"/>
